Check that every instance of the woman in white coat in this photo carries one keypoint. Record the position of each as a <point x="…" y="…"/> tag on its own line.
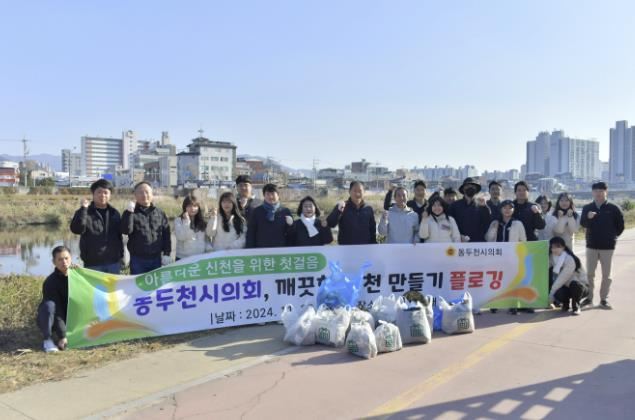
<point x="546" y="233"/>
<point x="568" y="220"/>
<point x="227" y="228"/>
<point x="189" y="229"/>
<point x="571" y="284"/>
<point x="507" y="229"/>
<point x="436" y="225"/>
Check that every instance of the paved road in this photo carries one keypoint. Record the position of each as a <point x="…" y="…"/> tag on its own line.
<point x="544" y="365"/>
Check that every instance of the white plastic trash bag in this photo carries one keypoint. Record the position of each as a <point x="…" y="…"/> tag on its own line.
<point x="361" y="341"/>
<point x="457" y="318"/>
<point x="298" y="325"/>
<point x="385" y="308"/>
<point x="331" y="325"/>
<point x="388" y="337"/>
<point x="413" y="324"/>
<point x="359" y="315"/>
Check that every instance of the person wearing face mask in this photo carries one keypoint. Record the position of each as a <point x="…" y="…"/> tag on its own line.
<point x="472" y="218"/>
<point x="309" y="229"/>
<point x="399" y="224"/>
<point x="436" y="225"/>
<point x="530" y="214"/>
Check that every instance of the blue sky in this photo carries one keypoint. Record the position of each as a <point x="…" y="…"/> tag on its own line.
<point x="401" y="83"/>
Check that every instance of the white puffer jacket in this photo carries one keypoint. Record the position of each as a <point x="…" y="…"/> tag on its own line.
<point x="566" y="227"/>
<point x="222" y="240"/>
<point x="443" y="229"/>
<point x="516" y="232"/>
<point x="188" y="241"/>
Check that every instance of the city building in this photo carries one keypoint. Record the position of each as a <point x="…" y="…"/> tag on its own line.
<point x="556" y="155"/>
<point x="71" y="163"/>
<point x="101" y="154"/>
<point x="9" y="174"/>
<point x="622" y="154"/>
<point x="207" y="161"/>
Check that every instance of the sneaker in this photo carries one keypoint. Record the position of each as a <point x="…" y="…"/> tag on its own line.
<point x="576" y="311"/>
<point x="604" y="304"/>
<point x="586" y="302"/>
<point x="493" y="310"/>
<point x="49" y="346"/>
<point x="513" y="311"/>
<point x="565" y="308"/>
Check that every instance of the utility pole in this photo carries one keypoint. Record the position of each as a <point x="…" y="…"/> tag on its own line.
<point x="315" y="163"/>
<point x="25" y="152"/>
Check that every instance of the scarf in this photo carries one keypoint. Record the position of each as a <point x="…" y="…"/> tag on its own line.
<point x="271" y="210"/>
<point x="309" y="223"/>
<point x="560" y="262"/>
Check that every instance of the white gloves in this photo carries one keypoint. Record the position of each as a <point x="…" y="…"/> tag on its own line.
<point x="341" y="205"/>
<point x="131" y="206"/>
<point x="289" y="220"/>
<point x="166" y="260"/>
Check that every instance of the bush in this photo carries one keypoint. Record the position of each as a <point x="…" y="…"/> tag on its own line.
<point x="628" y="205"/>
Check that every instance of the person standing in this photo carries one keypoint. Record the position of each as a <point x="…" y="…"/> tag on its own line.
<point x="506" y="228"/>
<point x="309" y="230"/>
<point x="418" y="204"/>
<point x="189" y="229"/>
<point x="527" y="212"/>
<point x="227" y="228"/>
<point x="450" y="195"/>
<point x="246" y="201"/>
<point x="269" y="223"/>
<point x="99" y="227"/>
<point x="148" y="230"/>
<point x="568" y="220"/>
<point x="604" y="223"/>
<point x="494" y="203"/>
<point x="399" y="224"/>
<point x="550" y="220"/>
<point x="472" y="219"/>
<point x="436" y="225"/>
<point x="355" y="218"/>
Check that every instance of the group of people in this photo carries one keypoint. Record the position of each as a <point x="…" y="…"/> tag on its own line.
<point x="243" y="221"/>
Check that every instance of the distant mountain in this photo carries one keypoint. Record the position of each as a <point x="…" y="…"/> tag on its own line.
<point x="55" y="162"/>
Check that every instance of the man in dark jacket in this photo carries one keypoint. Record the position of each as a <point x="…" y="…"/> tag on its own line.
<point x="148" y="230"/>
<point x="270" y="223"/>
<point x="604" y="222"/>
<point x="472" y="218"/>
<point x="51" y="313"/>
<point x="494" y="203"/>
<point x="527" y="212"/>
<point x="356" y="219"/>
<point x="99" y="227"/>
<point x="246" y="201"/>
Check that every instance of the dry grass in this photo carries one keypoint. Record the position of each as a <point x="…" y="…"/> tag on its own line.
<point x="22" y="362"/>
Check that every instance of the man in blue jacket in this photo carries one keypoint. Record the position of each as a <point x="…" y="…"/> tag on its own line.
<point x="604" y="223"/>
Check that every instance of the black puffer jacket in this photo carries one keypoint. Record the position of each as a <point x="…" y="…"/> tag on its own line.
<point x="148" y="231"/>
<point x="100" y="241"/>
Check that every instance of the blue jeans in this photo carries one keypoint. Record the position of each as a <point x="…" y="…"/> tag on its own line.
<point x="140" y="265"/>
<point x="113" y="268"/>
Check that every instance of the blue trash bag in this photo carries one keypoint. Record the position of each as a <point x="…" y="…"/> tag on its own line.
<point x="339" y="289"/>
<point x="438" y="313"/>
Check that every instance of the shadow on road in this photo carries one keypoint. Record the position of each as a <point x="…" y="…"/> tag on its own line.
<point x="603" y="393"/>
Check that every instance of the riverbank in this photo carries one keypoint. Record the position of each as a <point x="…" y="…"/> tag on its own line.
<point x="22" y="361"/>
